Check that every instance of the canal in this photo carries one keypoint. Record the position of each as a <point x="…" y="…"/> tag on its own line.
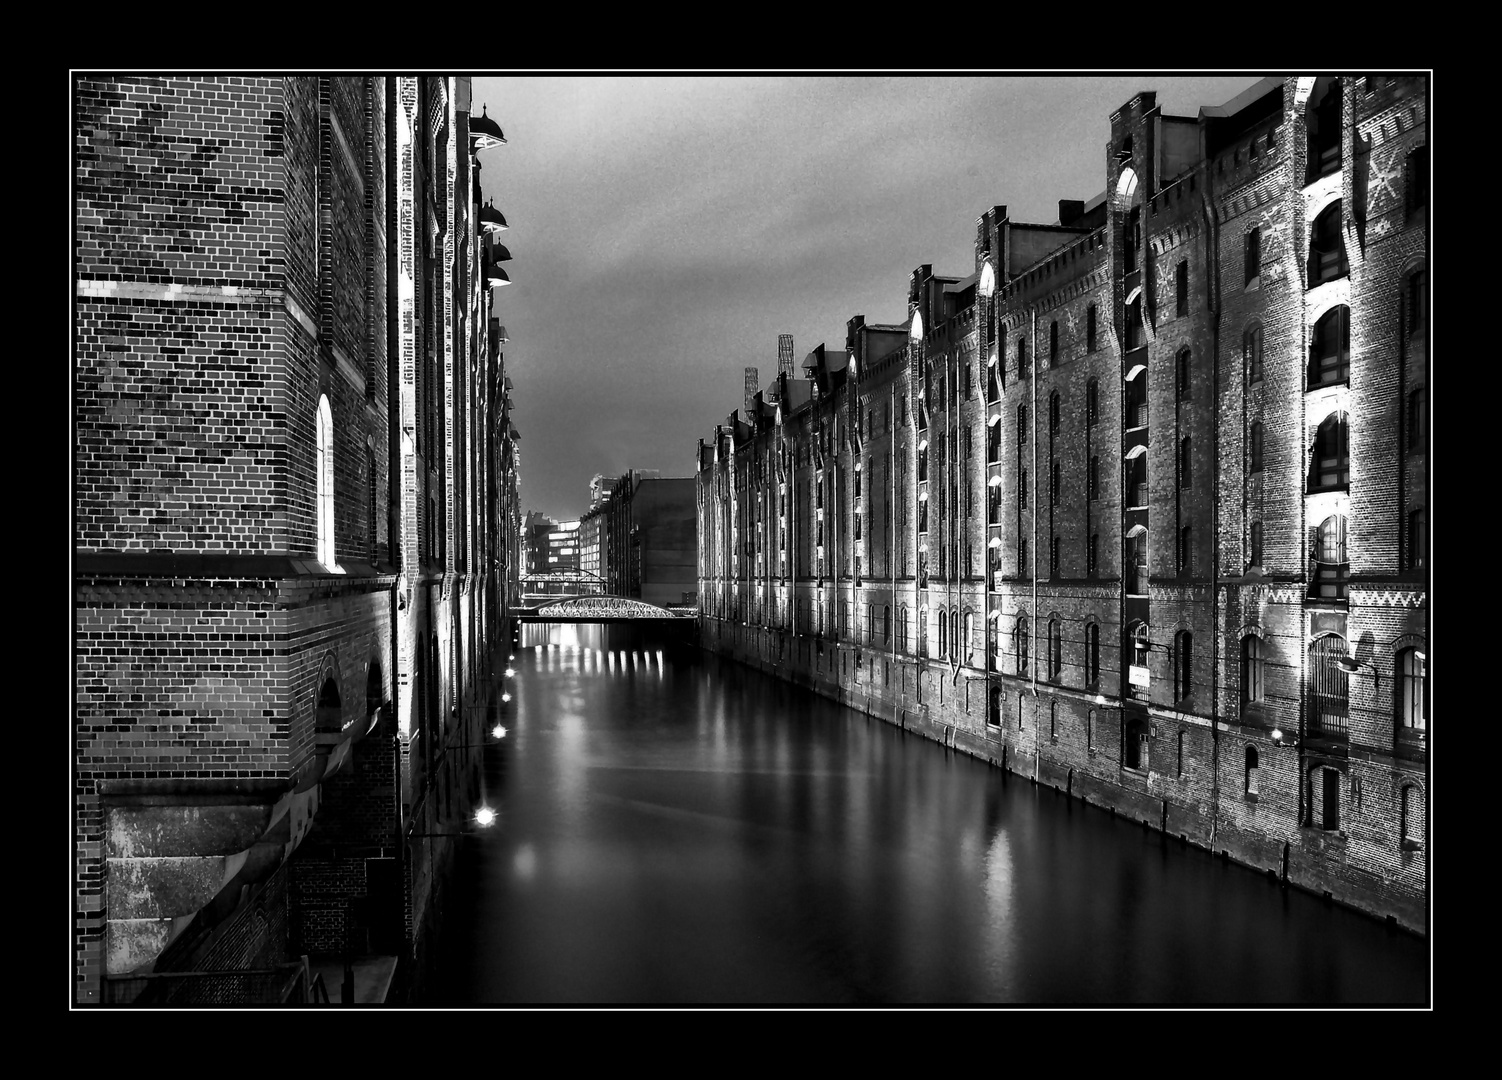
<point x="676" y="829"/>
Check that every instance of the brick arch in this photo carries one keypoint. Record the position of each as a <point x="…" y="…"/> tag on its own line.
<point x="1333" y="299"/>
<point x="1331" y="408"/>
<point x="1313" y="210"/>
<point x="1408" y="641"/>
<point x="1253" y="629"/>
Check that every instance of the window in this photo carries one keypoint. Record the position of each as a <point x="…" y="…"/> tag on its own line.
<point x="1330" y="463"/>
<point x="1092" y="400"/>
<point x="1053" y="344"/>
<point x="922" y="462"/>
<point x="1090" y="729"/>
<point x="1253" y="256"/>
<point x="1092" y="478"/>
<point x="1131" y="240"/>
<point x="943" y="634"/>
<point x="370" y="504"/>
<point x="886" y="623"/>
<point x="1019" y="644"/>
<point x="1136" y="400"/>
<point x="1416" y="179"/>
<point x="1092" y="563"/>
<point x="1137" y="563"/>
<point x="1251" y="354"/>
<point x="1134" y="745"/>
<point x="1416" y="302"/>
<point x="1135" y="334"/>
<point x="1327" y="247"/>
<point x="1055" y="414"/>
<point x="1021" y="424"/>
<point x="1411" y="824"/>
<point x="1055" y="649"/>
<point x="1183" y="665"/>
<point x="1022" y="489"/>
<point x="324" y="510"/>
<point x="1053" y="720"/>
<point x="1418" y="416"/>
<point x="1183" y="372"/>
<point x="1418" y="538"/>
<point x="1056" y="484"/>
<point x="993" y="715"/>
<point x="1251" y="771"/>
<point x="1330" y="348"/>
<point x="1412" y="698"/>
<point x="1186" y="551"/>
<point x="1185" y="461"/>
<point x="1328" y="685"/>
<point x="1329" y="799"/>
<point x="1254" y="447"/>
<point x="967" y="644"/>
<point x="1323" y="126"/>
<point x="1092" y="654"/>
<point x="1024" y="568"/>
<point x="1022" y="358"/>
<point x="1331" y="569"/>
<point x="1251" y="670"/>
<point x="1255" y="543"/>
<point x="1053" y="558"/>
<point x="1090" y="328"/>
<point x="1181" y="288"/>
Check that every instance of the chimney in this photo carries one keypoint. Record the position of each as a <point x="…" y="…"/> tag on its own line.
<point x="753" y="384"/>
<point x="1070" y="211"/>
<point x="785" y="355"/>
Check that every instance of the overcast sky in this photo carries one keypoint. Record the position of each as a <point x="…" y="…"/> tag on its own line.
<point x="665" y="230"/>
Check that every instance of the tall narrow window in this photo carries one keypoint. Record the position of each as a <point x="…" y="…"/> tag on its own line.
<point x="1254" y="447"/>
<point x="1251" y="770"/>
<point x="1022" y="358"/>
<point x="1055" y="414"/>
<point x="1019" y="644"/>
<point x="1251" y="669"/>
<point x="1136" y="400"/>
<point x="1092" y="478"/>
<point x="1056" y="485"/>
<point x="370" y="503"/>
<point x="1092" y="654"/>
<point x="1411" y="825"/>
<point x="1092" y="400"/>
<point x="1055" y="649"/>
<point x="1053" y="344"/>
<point x="1022" y="489"/>
<point x="1418" y="421"/>
<point x="1412" y="700"/>
<point x="1255" y="543"/>
<point x="1090" y="328"/>
<point x="1330" y="348"/>
<point x="1416" y="302"/>
<point x="1251" y="354"/>
<point x="1021" y="424"/>
<point x="1327" y="247"/>
<point x="1185" y="461"/>
<point x="1416" y="179"/>
<point x="1135" y="334"/>
<point x="1181" y="288"/>
<point x="1186" y="551"/>
<point x="1418" y="538"/>
<point x="1092" y="563"/>
<point x="1330" y="799"/>
<point x="1253" y="256"/>
<point x="1137" y="563"/>
<point x="1183" y="665"/>
<point x="1331" y="568"/>
<point x="1053" y="558"/>
<point x="1323" y="125"/>
<point x="1329" y="685"/>
<point x="325" y="484"/>
<point x="1131" y="240"/>
<point x="1184" y="373"/>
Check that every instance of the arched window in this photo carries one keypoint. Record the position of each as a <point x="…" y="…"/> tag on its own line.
<point x="993" y="714"/>
<point x="1090" y="329"/>
<point x="886" y="623"/>
<point x="1131" y="239"/>
<point x="1136" y="562"/>
<point x="1330" y="348"/>
<point x="1416" y="179"/>
<point x="1020" y="644"/>
<point x="1136" y="400"/>
<point x="1330" y="462"/>
<point x="1022" y="358"/>
<point x="1252" y="255"/>
<point x="1055" y="649"/>
<point x="1327" y="247"/>
<point x="1251" y="669"/>
<point x="325" y="484"/>
<point x="994" y="629"/>
<point x="1181" y="288"/>
<point x="1183" y="365"/>
<point x="1021" y="709"/>
<point x="1135" y="475"/>
<point x="1092" y="398"/>
<point x="902" y="633"/>
<point x="1412" y="696"/>
<point x="1055" y="412"/>
<point x="1331" y="567"/>
<point x="923" y="631"/>
<point x="1328" y="685"/>
<point x="1138" y="644"/>
<point x="1251" y="354"/>
<point x="1021" y="424"/>
<point x="1254" y="447"/>
<point x="1135" y="333"/>
<point x="943" y="635"/>
<point x="1183" y="665"/>
<point x="1186" y="461"/>
<point x="329" y="713"/>
<point x="1415" y="303"/>
<point x="1251" y="770"/>
<point x="1053" y="344"/>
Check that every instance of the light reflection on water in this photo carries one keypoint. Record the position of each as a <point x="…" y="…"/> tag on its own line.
<point x="676" y="829"/>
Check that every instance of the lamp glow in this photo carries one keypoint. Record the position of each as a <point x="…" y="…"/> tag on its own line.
<point x="485" y="817"/>
<point x="505" y="697"/>
<point x="499" y="731"/>
<point x="510" y="673"/>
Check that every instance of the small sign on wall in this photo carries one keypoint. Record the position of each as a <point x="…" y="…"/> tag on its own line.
<point x="1137" y="675"/>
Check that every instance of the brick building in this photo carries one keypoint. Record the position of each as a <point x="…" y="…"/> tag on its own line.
<point x="295" y="518"/>
<point x="1137" y="505"/>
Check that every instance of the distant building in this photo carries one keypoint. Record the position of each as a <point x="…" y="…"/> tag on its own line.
<point x="652" y="550"/>
<point x="563" y="546"/>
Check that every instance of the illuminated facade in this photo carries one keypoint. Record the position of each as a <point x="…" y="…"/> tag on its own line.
<point x="296" y="521"/>
<point x="1138" y="505"/>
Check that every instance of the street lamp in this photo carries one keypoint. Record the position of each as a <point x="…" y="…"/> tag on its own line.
<point x="1282" y="739"/>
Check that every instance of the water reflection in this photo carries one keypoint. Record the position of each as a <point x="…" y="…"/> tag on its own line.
<point x="675" y="829"/>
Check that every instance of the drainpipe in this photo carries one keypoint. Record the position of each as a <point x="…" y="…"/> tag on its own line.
<point x="1032" y="359"/>
<point x="892" y="524"/>
<point x="1212" y="281"/>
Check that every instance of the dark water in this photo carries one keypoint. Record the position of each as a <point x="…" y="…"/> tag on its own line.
<point x="676" y="829"/>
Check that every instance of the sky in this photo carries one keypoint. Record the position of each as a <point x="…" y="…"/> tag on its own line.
<point x="665" y="230"/>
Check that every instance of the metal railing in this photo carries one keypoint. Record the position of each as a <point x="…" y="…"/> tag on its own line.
<point x="285" y="984"/>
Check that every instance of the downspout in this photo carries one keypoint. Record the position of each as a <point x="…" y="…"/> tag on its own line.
<point x="892" y="524"/>
<point x="1212" y="283"/>
<point x="1032" y="360"/>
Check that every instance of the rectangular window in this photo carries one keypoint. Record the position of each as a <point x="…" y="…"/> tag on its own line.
<point x="1181" y="289"/>
<point x="1090" y="328"/>
<point x="1253" y="256"/>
